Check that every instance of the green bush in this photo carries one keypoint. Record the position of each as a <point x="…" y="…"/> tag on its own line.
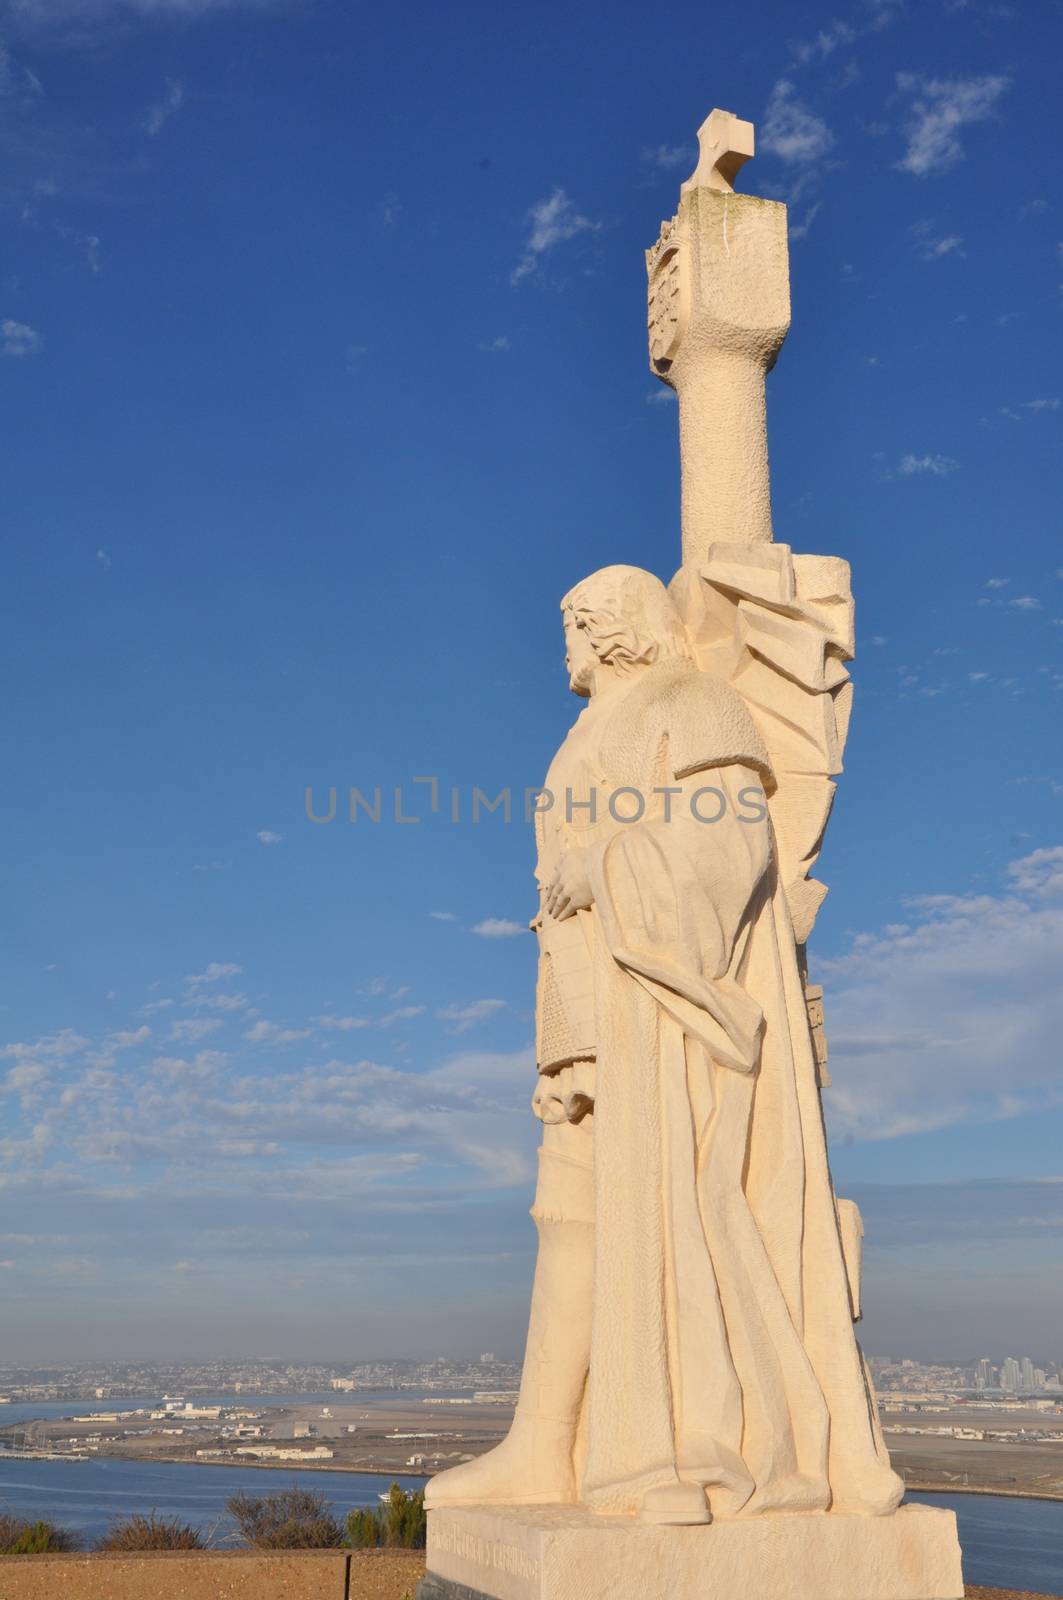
<point x="151" y="1533"/>
<point x="399" y="1521"/>
<point x="293" y="1519"/>
<point x="18" y="1537"/>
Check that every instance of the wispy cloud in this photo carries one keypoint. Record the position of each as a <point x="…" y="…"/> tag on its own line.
<point x="194" y="1028"/>
<point x="18" y="338"/>
<point x="158" y="115"/>
<point x="800" y="230"/>
<point x="334" y="1024"/>
<point x="215" y="972"/>
<point x="267" y="836"/>
<point x="272" y="1033"/>
<point x="931" y="246"/>
<point x="669" y="156"/>
<point x="939" y="108"/>
<point x="551" y="222"/>
<point x="826" y="41"/>
<point x="974" y="978"/>
<point x="465" y="1017"/>
<point x="498" y="928"/>
<point x="790" y="130"/>
<point x="936" y="466"/>
<point x="1025" y="602"/>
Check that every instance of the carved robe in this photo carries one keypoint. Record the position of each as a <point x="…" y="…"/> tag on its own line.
<point x="722" y="1349"/>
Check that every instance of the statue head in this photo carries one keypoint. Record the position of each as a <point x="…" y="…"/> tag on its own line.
<point x="619" y="619"/>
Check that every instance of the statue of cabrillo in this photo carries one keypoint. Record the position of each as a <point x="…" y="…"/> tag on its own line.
<point x="695" y="1417"/>
<point x="691" y="1346"/>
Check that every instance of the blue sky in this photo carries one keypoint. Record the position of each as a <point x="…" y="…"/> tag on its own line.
<point x="323" y="375"/>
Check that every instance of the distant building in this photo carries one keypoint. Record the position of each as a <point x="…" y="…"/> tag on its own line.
<point x="1010" y="1376"/>
<point x="487" y="1359"/>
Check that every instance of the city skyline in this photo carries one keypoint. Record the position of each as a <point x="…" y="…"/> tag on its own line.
<point x="276" y="383"/>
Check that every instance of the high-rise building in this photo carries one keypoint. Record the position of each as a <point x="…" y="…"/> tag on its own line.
<point x="1010" y="1375"/>
<point x="1028" y="1379"/>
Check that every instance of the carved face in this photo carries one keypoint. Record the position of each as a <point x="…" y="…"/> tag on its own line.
<point x="580" y="658"/>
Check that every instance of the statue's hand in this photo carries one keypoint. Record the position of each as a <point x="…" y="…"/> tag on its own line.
<point x="569" y="890"/>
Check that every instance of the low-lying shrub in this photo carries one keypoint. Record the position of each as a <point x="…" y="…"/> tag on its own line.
<point x="293" y="1519"/>
<point x="21" y="1536"/>
<point x="151" y="1533"/>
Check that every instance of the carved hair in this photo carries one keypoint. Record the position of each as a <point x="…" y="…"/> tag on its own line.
<point x="629" y="618"/>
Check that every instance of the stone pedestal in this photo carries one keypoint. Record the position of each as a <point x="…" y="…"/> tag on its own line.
<point x="568" y="1553"/>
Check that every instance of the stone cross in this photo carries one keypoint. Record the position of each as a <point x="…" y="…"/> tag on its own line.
<point x="719" y="310"/>
<point x="726" y="144"/>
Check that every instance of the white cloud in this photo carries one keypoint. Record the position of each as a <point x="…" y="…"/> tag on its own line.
<point x="934" y="249"/>
<point x="127" y="1039"/>
<point x="334" y="1024"/>
<point x="443" y="916"/>
<point x="267" y="836"/>
<point x="104" y="560"/>
<point x="271" y="1033"/>
<point x="669" y="156"/>
<point x="551" y="222"/>
<point x="940" y="107"/>
<point x="178" y="1070"/>
<point x="18" y="339"/>
<point x="997" y="583"/>
<point x="801" y="230"/>
<point x="825" y="43"/>
<point x="661" y="396"/>
<point x="937" y="466"/>
<point x="50" y="1047"/>
<point x="158" y="115"/>
<point x="220" y="1002"/>
<point x="215" y="972"/>
<point x="193" y="1028"/>
<point x="790" y="131"/>
<point x="466" y="1017"/>
<point x="497" y="345"/>
<point x="498" y="928"/>
<point x="23" y="1078"/>
<point x="974" y="979"/>
<point x="1025" y="602"/>
<point x="1041" y="405"/>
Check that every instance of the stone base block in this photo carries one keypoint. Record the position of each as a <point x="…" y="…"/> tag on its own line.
<point x="567" y="1553"/>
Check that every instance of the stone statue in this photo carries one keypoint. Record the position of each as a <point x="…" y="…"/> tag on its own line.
<point x="683" y="1162"/>
<point x="695" y="1416"/>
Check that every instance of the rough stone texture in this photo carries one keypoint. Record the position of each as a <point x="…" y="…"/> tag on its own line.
<point x="214" y="1575"/>
<point x="719" y="312"/>
<point x="567" y="1553"/>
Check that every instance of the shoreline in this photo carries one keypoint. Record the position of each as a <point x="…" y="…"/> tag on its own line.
<point x="261" y="1466"/>
<point x="1056" y="1497"/>
<point x="1006" y="1494"/>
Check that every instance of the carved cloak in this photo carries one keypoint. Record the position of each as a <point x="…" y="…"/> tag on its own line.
<point x="722" y="1350"/>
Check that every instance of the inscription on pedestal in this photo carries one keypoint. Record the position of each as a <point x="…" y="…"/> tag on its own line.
<point x="492" y="1553"/>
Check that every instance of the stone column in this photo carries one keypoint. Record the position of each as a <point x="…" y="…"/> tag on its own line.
<point x="719" y="310"/>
